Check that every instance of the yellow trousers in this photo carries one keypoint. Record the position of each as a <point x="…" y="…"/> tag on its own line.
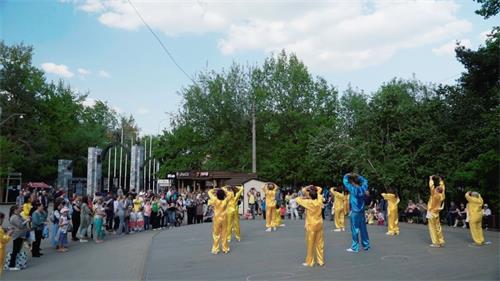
<point x="393" y="222"/>
<point x="278" y="217"/>
<point x="339" y="218"/>
<point x="435" y="230"/>
<point x="270" y="217"/>
<point x="315" y="247"/>
<point x="476" y="231"/>
<point x="219" y="234"/>
<point x="233" y="225"/>
<point x="2" y="260"/>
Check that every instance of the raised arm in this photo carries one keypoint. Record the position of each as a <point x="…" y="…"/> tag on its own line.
<point x="364" y="183"/>
<point x="240" y="191"/>
<point x="431" y="184"/>
<point x="347" y="184"/>
<point x="472" y="199"/>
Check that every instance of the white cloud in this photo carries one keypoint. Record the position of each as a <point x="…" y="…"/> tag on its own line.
<point x="89" y="102"/>
<point x="142" y="111"/>
<point x="57" y="69"/>
<point x="333" y="35"/>
<point x="448" y="49"/>
<point x="104" y="74"/>
<point x="92" y="6"/>
<point x="83" y="71"/>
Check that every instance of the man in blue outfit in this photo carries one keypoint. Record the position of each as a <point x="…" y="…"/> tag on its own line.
<point x="357" y="186"/>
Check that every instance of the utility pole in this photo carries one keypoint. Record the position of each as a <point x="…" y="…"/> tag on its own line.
<point x="145" y="157"/>
<point x="254" y="140"/>
<point x="149" y="164"/>
<point x="121" y="160"/>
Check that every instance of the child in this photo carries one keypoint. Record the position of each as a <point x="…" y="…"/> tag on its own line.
<point x="282" y="211"/>
<point x="380" y="218"/>
<point x="63" y="230"/>
<point x="147" y="214"/>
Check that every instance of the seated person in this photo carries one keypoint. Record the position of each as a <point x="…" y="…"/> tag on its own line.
<point x="461" y="216"/>
<point x="411" y="211"/>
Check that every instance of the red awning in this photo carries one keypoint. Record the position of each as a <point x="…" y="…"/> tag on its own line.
<point x="41" y="185"/>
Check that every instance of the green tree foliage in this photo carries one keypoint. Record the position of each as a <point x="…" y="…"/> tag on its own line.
<point x="56" y="124"/>
<point x="397" y="136"/>
<point x="488" y="8"/>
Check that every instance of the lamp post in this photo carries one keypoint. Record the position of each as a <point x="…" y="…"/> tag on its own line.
<point x="21" y="116"/>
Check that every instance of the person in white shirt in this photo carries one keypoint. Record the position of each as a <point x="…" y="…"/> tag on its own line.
<point x="486" y="216"/>
<point x="293" y="207"/>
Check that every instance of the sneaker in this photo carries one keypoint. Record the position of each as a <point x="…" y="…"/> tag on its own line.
<point x="214" y="253"/>
<point x="434" y="246"/>
<point x="337" y="230"/>
<point x="343" y="229"/>
<point x="83" y="241"/>
<point x="487" y="243"/>
<point x="350" y="250"/>
<point x="306" y="265"/>
<point x="269" y="229"/>
<point x="274" y="228"/>
<point x="14" y="268"/>
<point x="282" y="224"/>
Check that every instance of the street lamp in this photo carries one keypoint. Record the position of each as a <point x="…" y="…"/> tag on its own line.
<point x="21" y="116"/>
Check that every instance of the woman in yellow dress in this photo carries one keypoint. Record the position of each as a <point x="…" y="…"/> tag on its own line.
<point x="392" y="212"/>
<point x="475" y="210"/>
<point x="339" y="208"/>
<point x="312" y="201"/>
<point x="4" y="239"/>
<point x="233" y="217"/>
<point x="434" y="206"/>
<point x="269" y="190"/>
<point x="219" y="200"/>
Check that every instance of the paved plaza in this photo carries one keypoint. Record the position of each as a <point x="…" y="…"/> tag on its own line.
<point x="184" y="254"/>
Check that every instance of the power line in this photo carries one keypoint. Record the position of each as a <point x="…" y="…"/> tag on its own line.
<point x="161" y="43"/>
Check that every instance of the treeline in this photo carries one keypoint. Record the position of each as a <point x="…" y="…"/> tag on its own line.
<point x="308" y="132"/>
<point x="56" y="123"/>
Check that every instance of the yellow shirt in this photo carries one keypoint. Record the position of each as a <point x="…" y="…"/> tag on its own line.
<point x="434" y="205"/>
<point x="475" y="208"/>
<point x="338" y="202"/>
<point x="251" y="199"/>
<point x="220" y="206"/>
<point x="392" y="201"/>
<point x="137" y="204"/>
<point x="26" y="210"/>
<point x="314" y="220"/>
<point x="270" y="196"/>
<point x="233" y="201"/>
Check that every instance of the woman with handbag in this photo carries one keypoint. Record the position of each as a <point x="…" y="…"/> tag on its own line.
<point x="19" y="227"/>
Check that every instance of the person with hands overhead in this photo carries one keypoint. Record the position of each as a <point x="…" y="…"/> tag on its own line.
<point x="233" y="218"/>
<point x="392" y="199"/>
<point x="339" y="208"/>
<point x="434" y="206"/>
<point x="475" y="209"/>
<point x="219" y="200"/>
<point x="312" y="201"/>
<point x="270" y="190"/>
<point x="357" y="187"/>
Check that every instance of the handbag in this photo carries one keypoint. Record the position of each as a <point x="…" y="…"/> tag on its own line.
<point x="45" y="231"/>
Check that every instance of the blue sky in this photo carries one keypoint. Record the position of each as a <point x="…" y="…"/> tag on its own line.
<point x="103" y="48"/>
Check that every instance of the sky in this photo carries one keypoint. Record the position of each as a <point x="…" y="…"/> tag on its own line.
<point x="102" y="48"/>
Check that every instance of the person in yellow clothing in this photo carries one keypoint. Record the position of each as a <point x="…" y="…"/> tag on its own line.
<point x="312" y="201"/>
<point x="475" y="209"/>
<point x="269" y="190"/>
<point x="392" y="212"/>
<point x="219" y="200"/>
<point x="434" y="206"/>
<point x="4" y="239"/>
<point x="26" y="208"/>
<point x="233" y="217"/>
<point x="339" y="208"/>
